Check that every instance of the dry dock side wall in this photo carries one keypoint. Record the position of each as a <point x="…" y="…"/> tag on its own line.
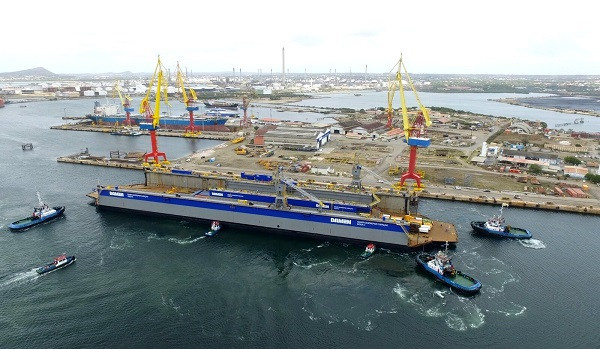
<point x="182" y="181"/>
<point x="394" y="203"/>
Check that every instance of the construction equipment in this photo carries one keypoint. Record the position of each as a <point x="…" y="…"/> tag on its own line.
<point x="414" y="129"/>
<point x="190" y="103"/>
<point x="241" y="150"/>
<point x="161" y="83"/>
<point x="393" y="170"/>
<point x="125" y="102"/>
<point x="238" y="140"/>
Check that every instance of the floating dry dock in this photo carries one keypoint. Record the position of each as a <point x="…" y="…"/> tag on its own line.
<point x="86" y="127"/>
<point x="278" y="205"/>
<point x="128" y="160"/>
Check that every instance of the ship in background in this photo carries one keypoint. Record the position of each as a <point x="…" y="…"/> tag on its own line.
<point x="222" y="112"/>
<point x="221" y="104"/>
<point x="111" y="114"/>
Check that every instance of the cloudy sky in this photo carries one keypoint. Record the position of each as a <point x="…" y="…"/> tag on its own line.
<point x="455" y="37"/>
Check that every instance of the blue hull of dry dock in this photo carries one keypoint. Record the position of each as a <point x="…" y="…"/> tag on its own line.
<point x="332" y="225"/>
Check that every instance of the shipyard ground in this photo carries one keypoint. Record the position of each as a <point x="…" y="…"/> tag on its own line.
<point x="485" y="186"/>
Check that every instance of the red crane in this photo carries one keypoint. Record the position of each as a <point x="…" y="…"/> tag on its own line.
<point x="154" y="115"/>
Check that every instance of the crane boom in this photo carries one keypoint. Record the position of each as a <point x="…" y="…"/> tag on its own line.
<point x="390" y="97"/>
<point x="376" y="175"/>
<point x="180" y="83"/>
<point x="290" y="183"/>
<point x="190" y="103"/>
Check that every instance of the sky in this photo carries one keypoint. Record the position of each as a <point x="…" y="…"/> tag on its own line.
<point x="435" y="37"/>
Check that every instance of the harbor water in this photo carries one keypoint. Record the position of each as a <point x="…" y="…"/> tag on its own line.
<point x="152" y="282"/>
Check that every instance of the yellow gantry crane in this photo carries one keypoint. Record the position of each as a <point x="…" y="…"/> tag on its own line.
<point x="154" y="115"/>
<point x="190" y="102"/>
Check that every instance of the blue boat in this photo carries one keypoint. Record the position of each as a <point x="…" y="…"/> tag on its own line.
<point x="440" y="265"/>
<point x="59" y="262"/>
<point x="41" y="213"/>
<point x="496" y="226"/>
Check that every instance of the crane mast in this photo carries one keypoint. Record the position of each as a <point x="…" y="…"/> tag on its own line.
<point x="190" y="103"/>
<point x="414" y="129"/>
<point x="161" y="84"/>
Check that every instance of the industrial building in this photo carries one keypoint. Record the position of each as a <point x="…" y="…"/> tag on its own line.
<point x="294" y="138"/>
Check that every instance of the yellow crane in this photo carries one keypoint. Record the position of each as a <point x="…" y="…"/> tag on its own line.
<point x="125" y="102"/>
<point x="154" y="115"/>
<point x="414" y="128"/>
<point x="190" y="102"/>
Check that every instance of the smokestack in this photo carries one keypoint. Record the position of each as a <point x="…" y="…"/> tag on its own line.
<point x="283" y="64"/>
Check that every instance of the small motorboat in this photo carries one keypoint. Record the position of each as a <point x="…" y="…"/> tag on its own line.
<point x="59" y="262"/>
<point x="368" y="251"/>
<point x="214" y="228"/>
<point x="41" y="213"/>
<point x="440" y="265"/>
<point x="496" y="226"/>
<point x="126" y="131"/>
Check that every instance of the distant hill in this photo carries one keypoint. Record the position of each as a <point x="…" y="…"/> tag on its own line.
<point x="35" y="72"/>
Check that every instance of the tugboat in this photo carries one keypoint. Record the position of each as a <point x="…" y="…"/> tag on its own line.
<point x="59" y="262"/>
<point x="495" y="226"/>
<point x="368" y="251"/>
<point x="41" y="213"/>
<point x="214" y="228"/>
<point x="440" y="265"/>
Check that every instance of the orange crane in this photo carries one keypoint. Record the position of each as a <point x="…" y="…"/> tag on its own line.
<point x="414" y="128"/>
<point x="190" y="103"/>
<point x="161" y="83"/>
<point x="125" y="102"/>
